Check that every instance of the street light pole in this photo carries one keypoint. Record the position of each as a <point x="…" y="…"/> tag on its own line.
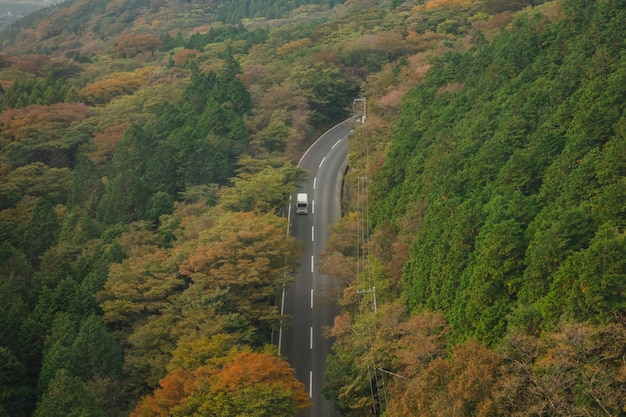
<point x="364" y="100"/>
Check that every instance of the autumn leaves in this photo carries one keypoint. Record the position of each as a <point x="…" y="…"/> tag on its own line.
<point x="198" y="311"/>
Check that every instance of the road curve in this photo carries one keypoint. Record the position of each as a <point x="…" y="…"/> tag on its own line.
<point x="308" y="299"/>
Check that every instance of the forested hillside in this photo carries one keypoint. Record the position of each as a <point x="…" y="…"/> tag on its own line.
<point x="145" y="161"/>
<point x="503" y="197"/>
<point x="147" y="152"/>
<point x="143" y="176"/>
<point x="90" y="24"/>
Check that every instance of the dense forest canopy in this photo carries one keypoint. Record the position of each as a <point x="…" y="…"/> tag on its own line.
<point x="105" y="19"/>
<point x="147" y="151"/>
<point x="502" y="197"/>
<point x="512" y="151"/>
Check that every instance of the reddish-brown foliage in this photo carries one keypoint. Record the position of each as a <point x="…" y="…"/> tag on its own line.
<point x="183" y="55"/>
<point x="102" y="91"/>
<point x="106" y="142"/>
<point x="326" y="55"/>
<point x="392" y="99"/>
<point x="250" y="368"/>
<point x="171" y="394"/>
<point x="21" y="123"/>
<point x="34" y="64"/>
<point x="243" y="370"/>
<point x="129" y="45"/>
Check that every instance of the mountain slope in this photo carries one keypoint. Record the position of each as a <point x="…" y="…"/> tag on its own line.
<point x="513" y="149"/>
<point x="495" y="277"/>
<point x="76" y="24"/>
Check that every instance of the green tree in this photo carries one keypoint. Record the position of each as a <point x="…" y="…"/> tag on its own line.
<point x="15" y="392"/>
<point x="37" y="180"/>
<point x="590" y="284"/>
<point x="42" y="229"/>
<point x="68" y="396"/>
<point x="261" y="400"/>
<point x="94" y="352"/>
<point x="57" y="352"/>
<point x="275" y="135"/>
<point x="227" y="127"/>
<point x="86" y="186"/>
<point x="63" y="296"/>
<point x="18" y="293"/>
<point x="199" y="89"/>
<point x="327" y="88"/>
<point x="266" y="191"/>
<point x="140" y="286"/>
<point x="234" y="90"/>
<point x="493" y="276"/>
<point x="125" y="196"/>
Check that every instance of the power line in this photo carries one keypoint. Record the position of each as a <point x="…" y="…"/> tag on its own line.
<point x="366" y="295"/>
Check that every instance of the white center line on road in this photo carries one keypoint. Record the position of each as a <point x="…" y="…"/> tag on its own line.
<point x="322" y="163"/>
<point x="312" y="233"/>
<point x="314" y="182"/>
<point x="311" y="340"/>
<point x="312" y="263"/>
<point x="312" y="207"/>
<point x="311" y="297"/>
<point x="336" y="143"/>
<point x="311" y="384"/>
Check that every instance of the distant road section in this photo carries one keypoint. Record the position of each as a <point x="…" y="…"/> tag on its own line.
<point x="309" y="298"/>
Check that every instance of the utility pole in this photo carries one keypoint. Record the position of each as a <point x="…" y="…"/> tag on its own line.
<point x="392" y="373"/>
<point x="364" y="100"/>
<point x="373" y="291"/>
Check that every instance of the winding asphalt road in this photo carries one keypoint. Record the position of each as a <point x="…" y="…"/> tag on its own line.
<point x="309" y="299"/>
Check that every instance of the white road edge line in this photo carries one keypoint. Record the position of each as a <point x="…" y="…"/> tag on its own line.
<point x="282" y="301"/>
<point x="280" y="329"/>
<point x="289" y="215"/>
<point x="321" y="137"/>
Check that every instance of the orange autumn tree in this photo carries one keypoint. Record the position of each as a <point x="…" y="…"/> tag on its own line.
<point x="129" y="45"/>
<point x="248" y="255"/>
<point x="104" y="90"/>
<point x="171" y="394"/>
<point x="250" y="383"/>
<point x="259" y="384"/>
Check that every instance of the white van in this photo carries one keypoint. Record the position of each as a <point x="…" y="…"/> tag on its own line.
<point x="302" y="203"/>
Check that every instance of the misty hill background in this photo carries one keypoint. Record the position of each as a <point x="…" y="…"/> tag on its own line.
<point x="13" y="10"/>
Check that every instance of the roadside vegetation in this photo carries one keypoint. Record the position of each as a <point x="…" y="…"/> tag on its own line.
<point x="494" y="228"/>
